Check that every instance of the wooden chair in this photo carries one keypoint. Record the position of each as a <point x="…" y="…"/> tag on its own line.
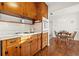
<point x="73" y="36"/>
<point x="71" y="39"/>
<point x="55" y="33"/>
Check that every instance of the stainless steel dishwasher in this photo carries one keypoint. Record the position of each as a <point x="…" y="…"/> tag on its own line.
<point x="0" y="48"/>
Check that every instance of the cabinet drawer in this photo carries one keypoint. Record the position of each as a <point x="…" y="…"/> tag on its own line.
<point x="34" y="36"/>
<point x="39" y="35"/>
<point x="13" y="41"/>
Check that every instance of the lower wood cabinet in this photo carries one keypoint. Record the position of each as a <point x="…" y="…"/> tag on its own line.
<point x="11" y="47"/>
<point x="13" y="51"/>
<point x="34" y="45"/>
<point x="44" y="40"/>
<point x="25" y="49"/>
<point x="39" y="42"/>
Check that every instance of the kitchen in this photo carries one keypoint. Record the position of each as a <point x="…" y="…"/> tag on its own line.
<point x="24" y="28"/>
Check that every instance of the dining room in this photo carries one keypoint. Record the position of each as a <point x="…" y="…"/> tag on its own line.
<point x="64" y="27"/>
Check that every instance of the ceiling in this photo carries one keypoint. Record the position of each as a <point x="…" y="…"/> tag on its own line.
<point x="60" y="5"/>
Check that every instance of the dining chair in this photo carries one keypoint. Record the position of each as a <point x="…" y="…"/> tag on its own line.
<point x="71" y="39"/>
<point x="73" y="36"/>
<point x="55" y="33"/>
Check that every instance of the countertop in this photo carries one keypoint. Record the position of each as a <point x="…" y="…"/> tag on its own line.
<point x="6" y="37"/>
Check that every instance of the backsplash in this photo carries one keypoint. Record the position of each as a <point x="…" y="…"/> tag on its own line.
<point x="13" y="28"/>
<point x="7" y="28"/>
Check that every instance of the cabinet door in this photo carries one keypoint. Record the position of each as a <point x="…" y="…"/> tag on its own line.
<point x="0" y="6"/>
<point x="13" y="8"/>
<point x="12" y="51"/>
<point x="39" y="42"/>
<point x="34" y="46"/>
<point x="30" y="10"/>
<point x="44" y="10"/>
<point x="44" y="39"/>
<point x="25" y="49"/>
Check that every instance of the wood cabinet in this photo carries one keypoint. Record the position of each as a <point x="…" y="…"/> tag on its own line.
<point x="30" y="10"/>
<point x="20" y="9"/>
<point x="25" y="46"/>
<point x="44" y="39"/>
<point x="13" y="8"/>
<point x="42" y="10"/>
<point x="25" y="49"/>
<point x="39" y="42"/>
<point x="29" y="48"/>
<point x="4" y="46"/>
<point x="34" y="44"/>
<point x="0" y="6"/>
<point x="13" y="50"/>
<point x="11" y="47"/>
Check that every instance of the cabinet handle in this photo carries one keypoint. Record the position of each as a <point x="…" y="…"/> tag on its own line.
<point x="6" y="52"/>
<point x="19" y="46"/>
<point x="30" y="41"/>
<point x="16" y="47"/>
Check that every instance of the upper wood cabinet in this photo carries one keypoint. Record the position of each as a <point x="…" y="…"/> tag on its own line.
<point x="42" y="10"/>
<point x="13" y="8"/>
<point x="0" y="6"/>
<point x="30" y="10"/>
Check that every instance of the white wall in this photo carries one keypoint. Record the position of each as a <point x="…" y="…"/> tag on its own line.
<point x="66" y="19"/>
<point x="50" y="26"/>
<point x="11" y="28"/>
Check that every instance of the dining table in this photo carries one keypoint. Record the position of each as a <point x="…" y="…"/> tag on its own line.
<point x="63" y="35"/>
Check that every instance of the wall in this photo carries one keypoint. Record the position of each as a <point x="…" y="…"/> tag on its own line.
<point x="50" y="25"/>
<point x="11" y="28"/>
<point x="66" y="19"/>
